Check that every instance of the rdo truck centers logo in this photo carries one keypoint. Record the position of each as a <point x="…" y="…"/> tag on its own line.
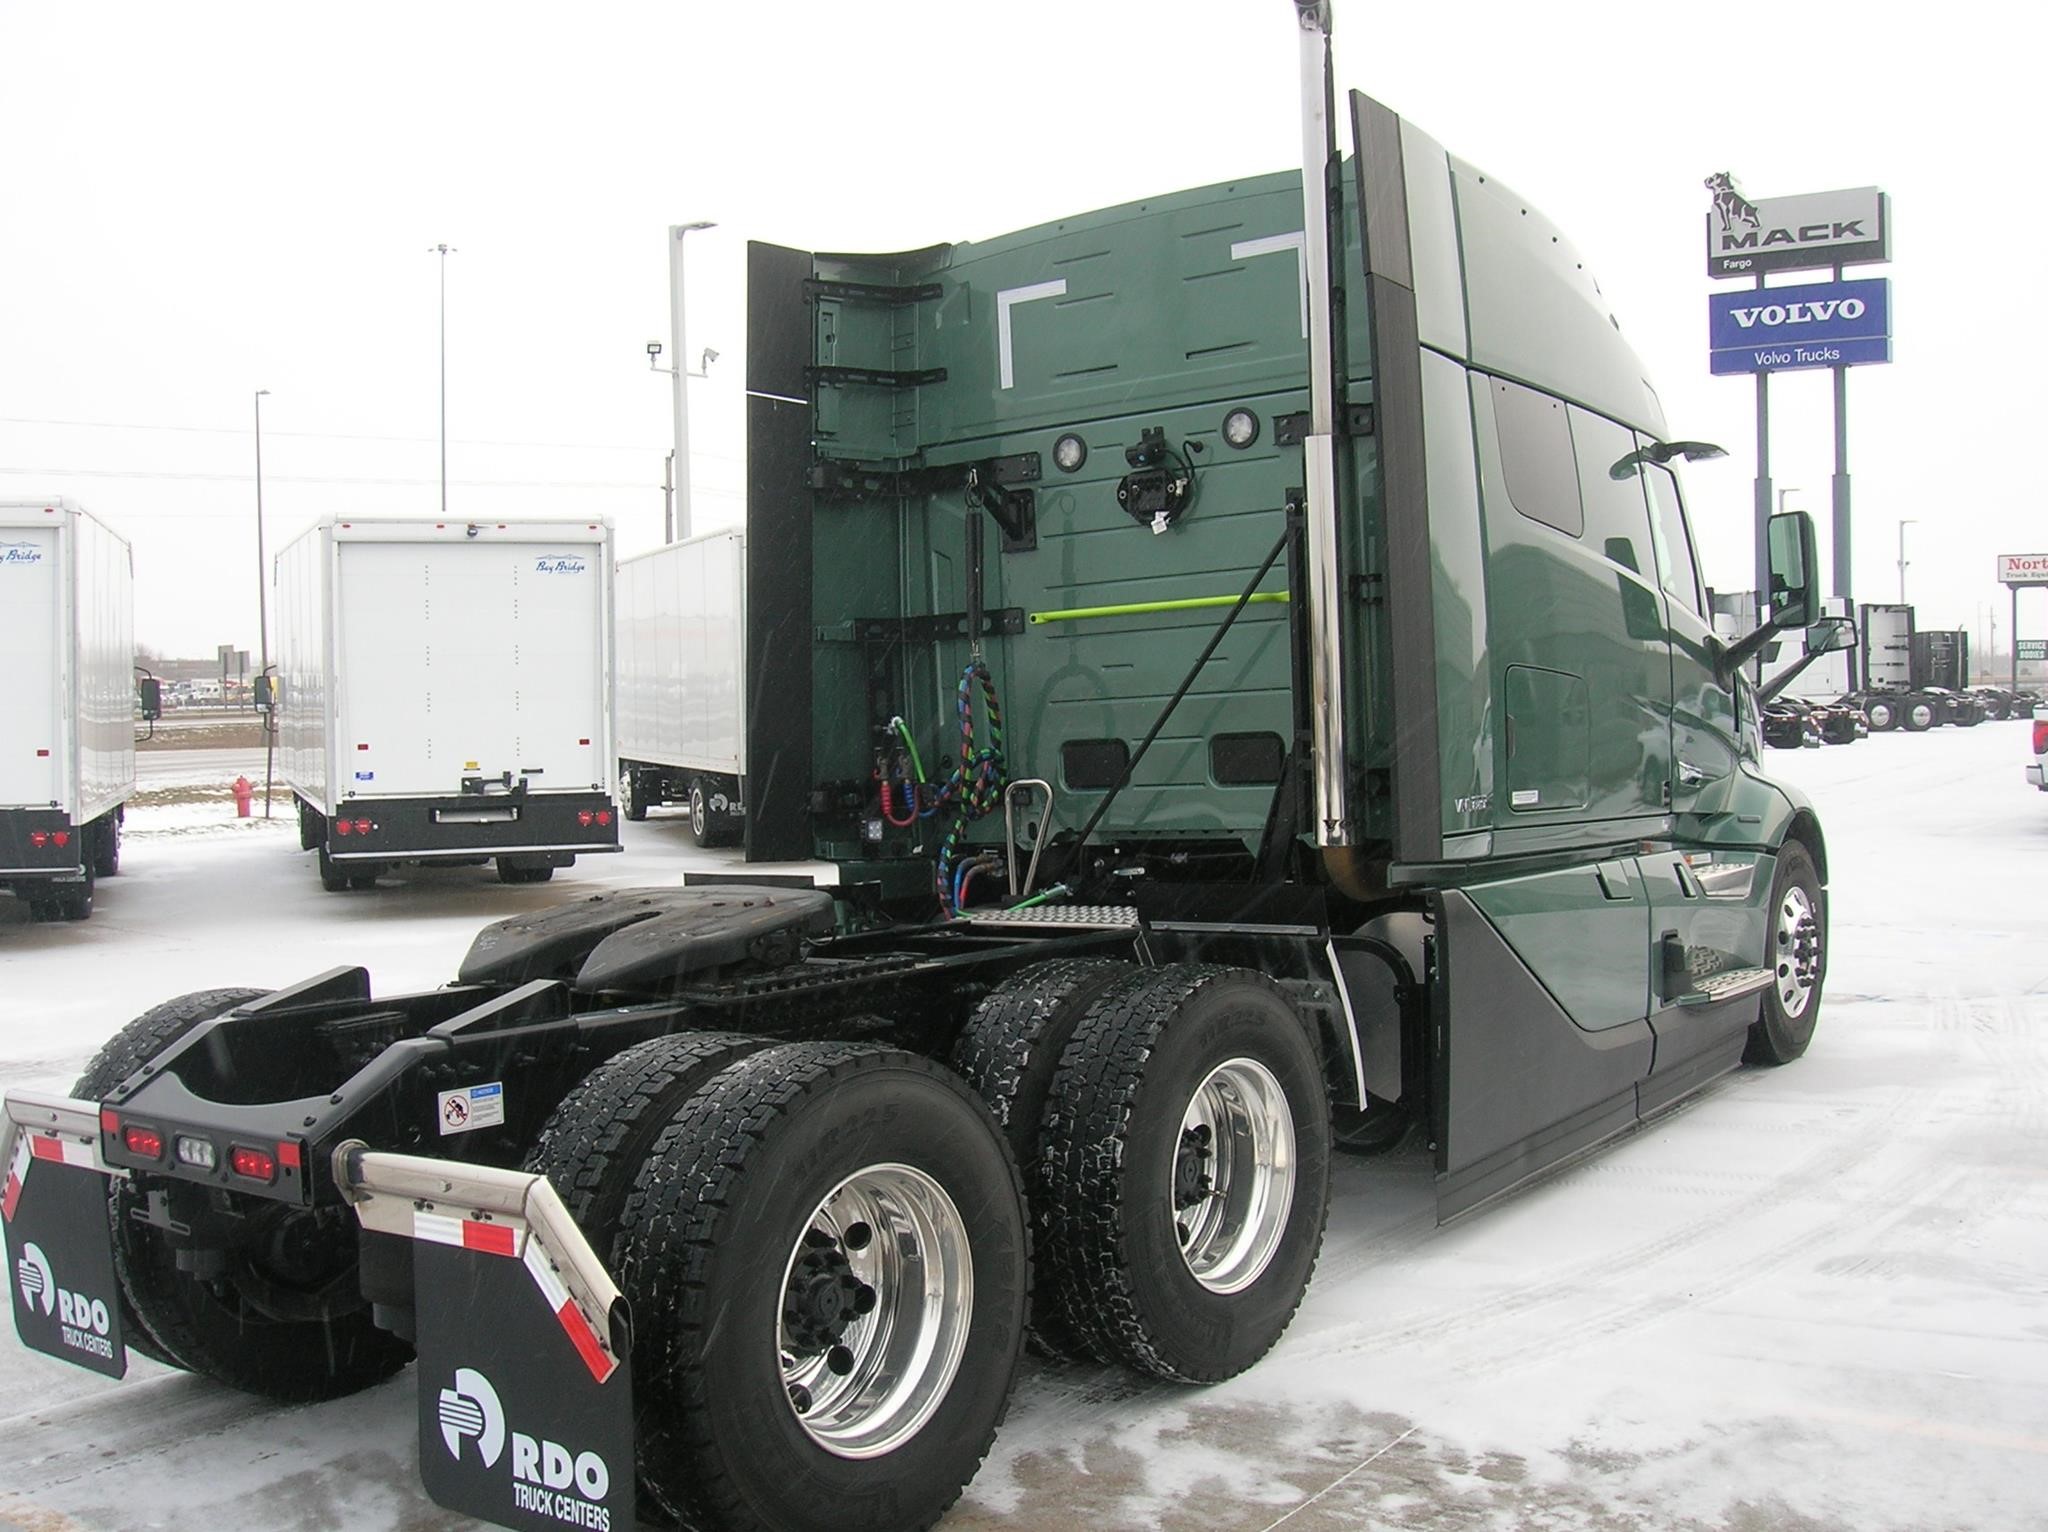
<point x="547" y="1479"/>
<point x="1821" y="324"/>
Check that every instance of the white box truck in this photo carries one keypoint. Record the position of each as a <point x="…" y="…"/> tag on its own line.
<point x="681" y="683"/>
<point x="444" y="694"/>
<point x="67" y="734"/>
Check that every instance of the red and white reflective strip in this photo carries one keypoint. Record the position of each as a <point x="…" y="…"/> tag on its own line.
<point x="596" y="1355"/>
<point x="29" y="1147"/>
<point x="488" y="1236"/>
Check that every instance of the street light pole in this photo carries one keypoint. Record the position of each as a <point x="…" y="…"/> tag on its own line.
<point x="263" y="614"/>
<point x="680" y="372"/>
<point x="1908" y="522"/>
<point x="444" y="250"/>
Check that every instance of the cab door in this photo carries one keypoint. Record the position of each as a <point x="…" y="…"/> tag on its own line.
<point x="1704" y="734"/>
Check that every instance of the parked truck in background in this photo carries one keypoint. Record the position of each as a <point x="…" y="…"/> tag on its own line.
<point x="1243" y="654"/>
<point x="67" y="732"/>
<point x="679" y="680"/>
<point x="2037" y="769"/>
<point x="444" y="694"/>
<point x="1913" y="678"/>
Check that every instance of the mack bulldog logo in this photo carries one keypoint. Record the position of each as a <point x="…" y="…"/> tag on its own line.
<point x="1730" y="206"/>
<point x="547" y="1478"/>
<point x="1746" y="238"/>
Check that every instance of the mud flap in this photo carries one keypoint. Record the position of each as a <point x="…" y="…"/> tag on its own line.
<point x="60" y="1256"/>
<point x="525" y="1386"/>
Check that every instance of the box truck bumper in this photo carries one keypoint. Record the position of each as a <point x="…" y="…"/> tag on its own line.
<point x="2038" y="775"/>
<point x="40" y="847"/>
<point x="468" y="825"/>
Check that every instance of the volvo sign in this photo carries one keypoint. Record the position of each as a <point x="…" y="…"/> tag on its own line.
<point x="1834" y="228"/>
<point x="1820" y="324"/>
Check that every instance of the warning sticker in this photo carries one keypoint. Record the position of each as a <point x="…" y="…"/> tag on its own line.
<point x="475" y="1106"/>
<point x="1524" y="797"/>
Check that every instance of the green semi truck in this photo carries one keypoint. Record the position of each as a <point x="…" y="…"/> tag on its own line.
<point x="1244" y="657"/>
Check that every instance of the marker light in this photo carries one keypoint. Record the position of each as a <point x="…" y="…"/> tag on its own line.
<point x="1240" y="428"/>
<point x="145" y="1143"/>
<point x="1069" y="452"/>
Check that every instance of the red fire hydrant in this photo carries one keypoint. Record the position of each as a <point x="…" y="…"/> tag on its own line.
<point x="244" y="791"/>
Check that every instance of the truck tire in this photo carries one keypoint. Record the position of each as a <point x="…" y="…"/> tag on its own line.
<point x="633" y="795"/>
<point x="334" y="876"/>
<point x="312" y="826"/>
<point x="1882" y="716"/>
<point x="510" y="871"/>
<point x="1918" y="714"/>
<point x="1186" y="1171"/>
<point x="106" y="845"/>
<point x="1007" y="1053"/>
<point x="1797" y="952"/>
<point x="119" y="1057"/>
<point x="75" y="903"/>
<point x="800" y="1192"/>
<point x="594" y="1141"/>
<point x="702" y="831"/>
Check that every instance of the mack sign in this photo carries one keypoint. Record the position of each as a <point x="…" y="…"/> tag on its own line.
<point x="2023" y="569"/>
<point x="1820" y="324"/>
<point x="1834" y="228"/>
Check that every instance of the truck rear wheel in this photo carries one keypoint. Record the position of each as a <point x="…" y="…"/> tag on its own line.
<point x="510" y="871"/>
<point x="594" y="1141"/>
<point x="1881" y="715"/>
<point x="119" y="1057"/>
<point x="1797" y="956"/>
<point x="633" y="795"/>
<point x="106" y="845"/>
<point x="1007" y="1052"/>
<point x="1185" y="1172"/>
<point x="334" y="876"/>
<point x="1918" y="714"/>
<point x="826" y="1251"/>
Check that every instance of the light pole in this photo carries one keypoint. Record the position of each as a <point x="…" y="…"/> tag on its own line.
<point x="1908" y="522"/>
<point x="680" y="372"/>
<point x="263" y="614"/>
<point x="444" y="251"/>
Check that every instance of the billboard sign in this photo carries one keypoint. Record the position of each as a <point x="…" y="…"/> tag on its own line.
<point x="1820" y="324"/>
<point x="2023" y="569"/>
<point x="1833" y="228"/>
<point x="2032" y="649"/>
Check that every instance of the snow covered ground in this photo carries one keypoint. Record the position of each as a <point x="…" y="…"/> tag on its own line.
<point x="1814" y="1298"/>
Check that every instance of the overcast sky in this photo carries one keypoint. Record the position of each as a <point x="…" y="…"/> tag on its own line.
<point x="200" y="201"/>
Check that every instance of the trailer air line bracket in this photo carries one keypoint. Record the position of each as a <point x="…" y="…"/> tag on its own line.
<point x="989" y="483"/>
<point x="1005" y="622"/>
<point x="1292" y="430"/>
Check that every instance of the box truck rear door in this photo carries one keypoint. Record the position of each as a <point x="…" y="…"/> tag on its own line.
<point x="470" y="659"/>
<point x="33" y="746"/>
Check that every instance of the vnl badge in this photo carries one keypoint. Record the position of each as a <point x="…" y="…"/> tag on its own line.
<point x="60" y="1260"/>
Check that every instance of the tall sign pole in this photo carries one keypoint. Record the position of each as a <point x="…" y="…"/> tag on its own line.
<point x="680" y="400"/>
<point x="1837" y="325"/>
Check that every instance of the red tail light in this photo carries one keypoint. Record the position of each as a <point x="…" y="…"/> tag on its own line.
<point x="362" y="827"/>
<point x="144" y="1142"/>
<point x="583" y="817"/>
<point x="41" y="838"/>
<point x="253" y="1163"/>
<point x="61" y="837"/>
<point x="604" y="816"/>
<point x="343" y="827"/>
<point x="2041" y="736"/>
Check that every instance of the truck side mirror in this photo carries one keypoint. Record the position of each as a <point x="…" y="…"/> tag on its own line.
<point x="265" y="694"/>
<point x="150" y="692"/>
<point x="1793" y="566"/>
<point x="1830" y="635"/>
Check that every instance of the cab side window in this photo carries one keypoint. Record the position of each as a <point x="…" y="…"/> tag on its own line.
<point x="1536" y="456"/>
<point x="1677" y="569"/>
<point x="1616" y="517"/>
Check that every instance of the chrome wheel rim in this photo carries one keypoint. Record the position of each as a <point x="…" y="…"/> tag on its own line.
<point x="1233" y="1175"/>
<point x="1797" y="955"/>
<point x="877" y="1299"/>
<point x="700" y="812"/>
